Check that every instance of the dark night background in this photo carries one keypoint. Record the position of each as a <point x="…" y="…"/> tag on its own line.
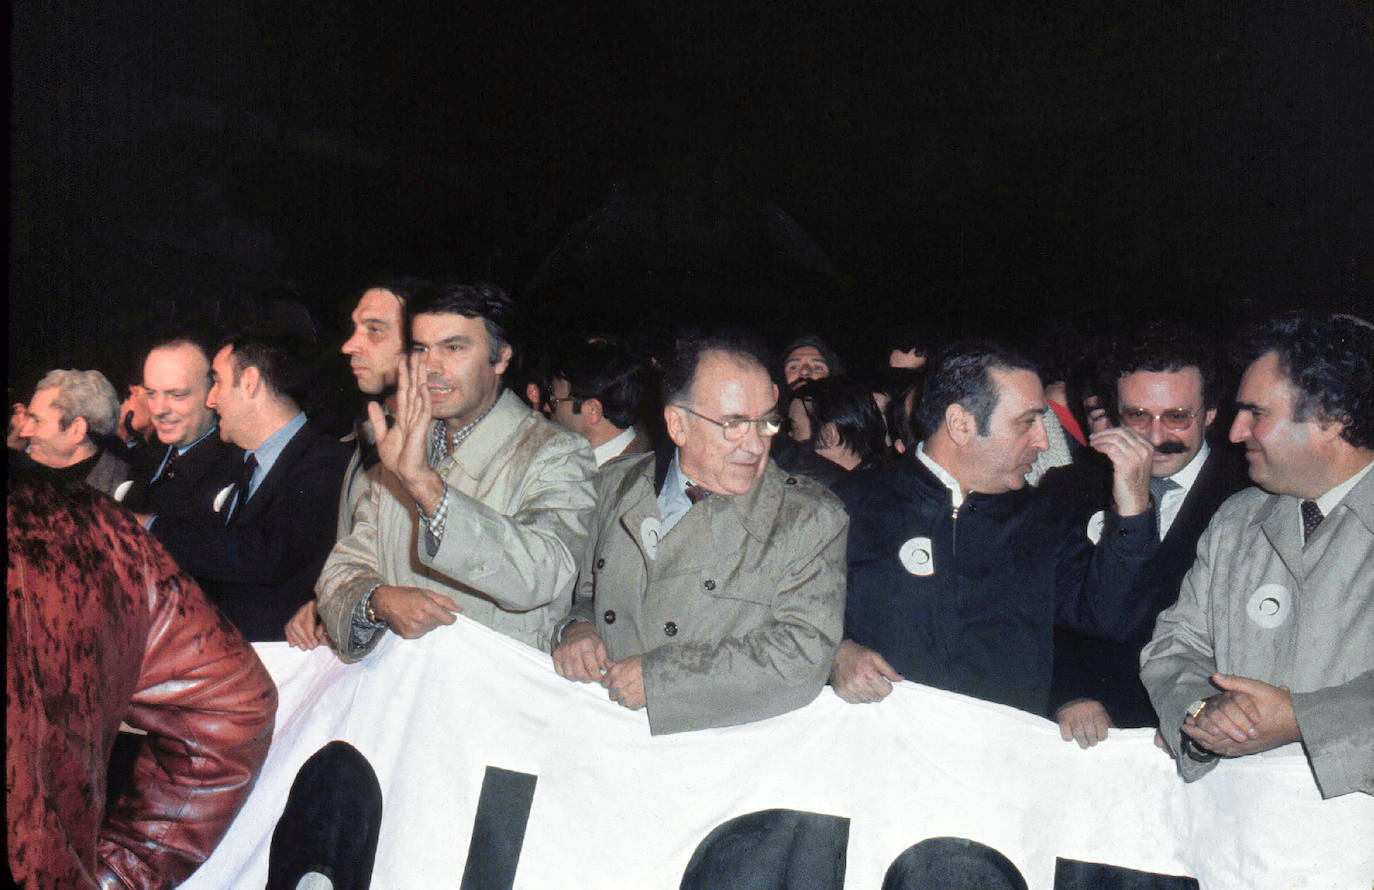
<point x="844" y="166"/>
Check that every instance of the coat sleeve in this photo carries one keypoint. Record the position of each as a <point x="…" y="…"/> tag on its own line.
<point x="1095" y="586"/>
<point x="528" y="558"/>
<point x="778" y="666"/>
<point x="1337" y="726"/>
<point x="207" y="704"/>
<point x="352" y="570"/>
<point x="1177" y="662"/>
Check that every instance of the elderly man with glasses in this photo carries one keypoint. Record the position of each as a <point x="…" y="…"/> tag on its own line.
<point x="712" y="591"/>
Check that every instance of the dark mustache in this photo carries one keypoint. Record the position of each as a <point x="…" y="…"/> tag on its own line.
<point x="1172" y="446"/>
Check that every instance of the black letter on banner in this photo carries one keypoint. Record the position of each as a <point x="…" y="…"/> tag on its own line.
<point x="952" y="863"/>
<point x="498" y="831"/>
<point x="1070" y="874"/>
<point x="771" y="849"/>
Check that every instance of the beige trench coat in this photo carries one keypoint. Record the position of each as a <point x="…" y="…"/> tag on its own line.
<point x="741" y="608"/>
<point x="520" y="495"/>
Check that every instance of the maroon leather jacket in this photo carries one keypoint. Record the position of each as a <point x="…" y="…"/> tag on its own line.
<point x="103" y="628"/>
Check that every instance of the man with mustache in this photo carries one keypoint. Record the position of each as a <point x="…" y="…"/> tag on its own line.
<point x="958" y="571"/>
<point x="483" y="504"/>
<point x="1166" y="391"/>
<point x="1271" y="643"/>
<point x="195" y="464"/>
<point x="712" y="592"/>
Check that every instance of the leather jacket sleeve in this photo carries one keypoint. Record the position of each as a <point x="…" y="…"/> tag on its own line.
<point x="208" y="705"/>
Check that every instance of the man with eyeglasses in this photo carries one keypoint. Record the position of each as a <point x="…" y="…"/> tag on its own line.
<point x="1166" y="391"/>
<point x="713" y="587"/>
<point x="596" y="389"/>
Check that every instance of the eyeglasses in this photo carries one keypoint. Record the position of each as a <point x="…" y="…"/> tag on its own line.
<point x="1175" y="419"/>
<point x="735" y="428"/>
<point x="553" y="401"/>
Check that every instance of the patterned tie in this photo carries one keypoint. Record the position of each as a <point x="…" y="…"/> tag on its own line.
<point x="695" y="493"/>
<point x="242" y="486"/>
<point x="1158" y="488"/>
<point x="169" y="467"/>
<point x="1311" y="518"/>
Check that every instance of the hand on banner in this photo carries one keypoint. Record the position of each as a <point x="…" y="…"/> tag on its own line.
<point x="1130" y="455"/>
<point x="1249" y="716"/>
<point x="625" y="682"/>
<point x="404" y="447"/>
<point x="413" y="612"/>
<point x="582" y="654"/>
<point x="305" y="630"/>
<point x="859" y="675"/>
<point x="1085" y="721"/>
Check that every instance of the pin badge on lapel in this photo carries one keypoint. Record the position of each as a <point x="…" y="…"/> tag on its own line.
<point x="1269" y="606"/>
<point x="1095" y="526"/>
<point x="122" y="491"/>
<point x="917" y="557"/>
<point x="649" y="534"/>
<point x="222" y="497"/>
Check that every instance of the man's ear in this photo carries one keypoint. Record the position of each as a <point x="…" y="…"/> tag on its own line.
<point x="78" y="429"/>
<point x="250" y="381"/>
<point x="960" y="424"/>
<point x="504" y="353"/>
<point x="1208" y="417"/>
<point x="591" y="410"/>
<point x="1329" y="429"/>
<point x="676" y="420"/>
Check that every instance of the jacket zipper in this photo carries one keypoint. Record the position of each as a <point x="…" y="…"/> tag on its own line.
<point x="954" y="530"/>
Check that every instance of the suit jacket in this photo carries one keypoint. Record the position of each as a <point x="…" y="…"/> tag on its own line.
<point x="190" y="484"/>
<point x="1259" y="603"/>
<point x="1110" y="672"/>
<point x="739" y="612"/>
<point x="263" y="567"/>
<point x="110" y="471"/>
<point x="520" y="493"/>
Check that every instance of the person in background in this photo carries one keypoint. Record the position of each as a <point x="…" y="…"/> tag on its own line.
<point x="67" y="424"/>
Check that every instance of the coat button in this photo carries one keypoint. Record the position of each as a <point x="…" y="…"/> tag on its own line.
<point x="609" y="616"/>
<point x="791" y="480"/>
<point x="709" y="583"/>
<point x="601" y="563"/>
<point x="669" y="629"/>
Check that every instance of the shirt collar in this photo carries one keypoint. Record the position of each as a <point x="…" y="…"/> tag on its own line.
<point x="1188" y="475"/>
<point x="442" y="444"/>
<point x="271" y="448"/>
<point x="1327" y="502"/>
<point x="612" y="447"/>
<point x="956" y="491"/>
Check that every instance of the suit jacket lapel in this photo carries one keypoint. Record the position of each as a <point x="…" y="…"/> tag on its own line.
<point x="1281" y="527"/>
<point x="281" y="471"/>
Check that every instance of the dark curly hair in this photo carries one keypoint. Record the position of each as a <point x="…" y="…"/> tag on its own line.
<point x="1329" y="359"/>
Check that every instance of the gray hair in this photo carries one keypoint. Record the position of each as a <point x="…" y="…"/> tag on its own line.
<point x="84" y="394"/>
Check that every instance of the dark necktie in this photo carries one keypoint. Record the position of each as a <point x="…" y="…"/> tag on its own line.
<point x="169" y="468"/>
<point x="241" y="487"/>
<point x="1311" y="518"/>
<point x="695" y="493"/>
<point x="1158" y="488"/>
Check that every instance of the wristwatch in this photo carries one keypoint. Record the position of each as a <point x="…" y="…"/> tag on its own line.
<point x="371" y="611"/>
<point x="1195" y="751"/>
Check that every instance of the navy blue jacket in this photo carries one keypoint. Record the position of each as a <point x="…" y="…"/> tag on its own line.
<point x="1006" y="569"/>
<point x="261" y="569"/>
<point x="1110" y="672"/>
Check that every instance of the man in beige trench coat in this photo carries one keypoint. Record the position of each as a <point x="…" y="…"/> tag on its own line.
<point x="712" y="592"/>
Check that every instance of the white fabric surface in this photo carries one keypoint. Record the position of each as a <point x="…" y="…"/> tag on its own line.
<point x="615" y="808"/>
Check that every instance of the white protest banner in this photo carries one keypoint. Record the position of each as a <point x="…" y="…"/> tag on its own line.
<point x="613" y="807"/>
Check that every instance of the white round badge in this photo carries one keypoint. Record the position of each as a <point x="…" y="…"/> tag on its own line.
<point x="649" y="534"/>
<point x="917" y="557"/>
<point x="1095" y="526"/>
<point x="1270" y="605"/>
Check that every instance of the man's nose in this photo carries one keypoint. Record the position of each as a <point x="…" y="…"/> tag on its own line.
<point x="1240" y="429"/>
<point x="1042" y="438"/>
<point x="1157" y="432"/>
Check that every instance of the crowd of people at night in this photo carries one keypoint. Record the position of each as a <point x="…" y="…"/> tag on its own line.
<point x="1172" y="530"/>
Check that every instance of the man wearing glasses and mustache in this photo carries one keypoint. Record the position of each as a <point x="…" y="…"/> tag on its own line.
<point x="1167" y="391"/>
<point x="712" y="591"/>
